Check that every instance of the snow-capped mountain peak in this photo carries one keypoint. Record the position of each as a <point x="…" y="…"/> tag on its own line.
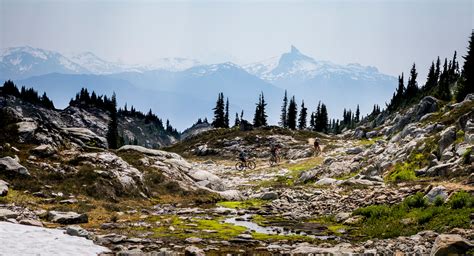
<point x="19" y="62"/>
<point x="296" y="65"/>
<point x="172" y="64"/>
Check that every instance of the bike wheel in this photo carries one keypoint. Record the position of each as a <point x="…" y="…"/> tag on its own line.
<point x="273" y="161"/>
<point x="251" y="165"/>
<point x="239" y="166"/>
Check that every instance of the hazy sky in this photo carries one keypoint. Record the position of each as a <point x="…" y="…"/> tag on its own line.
<point x="390" y="35"/>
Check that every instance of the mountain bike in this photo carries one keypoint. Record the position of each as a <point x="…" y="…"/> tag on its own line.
<point x="274" y="160"/>
<point x="249" y="164"/>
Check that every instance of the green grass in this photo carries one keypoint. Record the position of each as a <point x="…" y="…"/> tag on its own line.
<point x="251" y="203"/>
<point x="304" y="165"/>
<point x="383" y="221"/>
<point x="406" y="171"/>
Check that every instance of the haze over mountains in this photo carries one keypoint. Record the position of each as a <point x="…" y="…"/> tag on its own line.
<point x="183" y="90"/>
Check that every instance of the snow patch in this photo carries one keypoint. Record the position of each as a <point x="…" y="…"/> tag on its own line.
<point x="29" y="240"/>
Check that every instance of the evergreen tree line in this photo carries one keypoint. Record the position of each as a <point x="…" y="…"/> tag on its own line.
<point x="446" y="83"/>
<point x="150" y="118"/>
<point x="86" y="99"/>
<point x="28" y="95"/>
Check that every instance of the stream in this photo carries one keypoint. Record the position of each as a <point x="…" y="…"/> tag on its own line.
<point x="243" y="221"/>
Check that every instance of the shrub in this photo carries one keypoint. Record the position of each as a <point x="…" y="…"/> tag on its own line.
<point x="466" y="157"/>
<point x="461" y="199"/>
<point x="373" y="211"/>
<point x="439" y="201"/>
<point x="417" y="200"/>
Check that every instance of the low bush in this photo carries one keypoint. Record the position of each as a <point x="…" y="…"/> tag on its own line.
<point x="414" y="214"/>
<point x="461" y="199"/>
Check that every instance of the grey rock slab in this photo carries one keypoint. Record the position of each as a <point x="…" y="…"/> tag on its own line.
<point x="67" y="217"/>
<point x="435" y="192"/>
<point x="44" y="150"/>
<point x="450" y="244"/>
<point x="3" y="188"/>
<point x="11" y="165"/>
<point x="77" y="231"/>
<point x="31" y="222"/>
<point x="7" y="214"/>
<point x="193" y="251"/>
<point x="269" y="196"/>
<point x="354" y="151"/>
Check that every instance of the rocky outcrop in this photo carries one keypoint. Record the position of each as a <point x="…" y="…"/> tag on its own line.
<point x="437" y="192"/>
<point x="3" y="188"/>
<point x="450" y="244"/>
<point x="128" y="176"/>
<point x="84" y="126"/>
<point x="85" y="137"/>
<point x="10" y="165"/>
<point x="44" y="150"/>
<point x="67" y="217"/>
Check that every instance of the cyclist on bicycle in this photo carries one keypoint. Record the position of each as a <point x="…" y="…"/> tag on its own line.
<point x="274" y="150"/>
<point x="317" y="149"/>
<point x="243" y="156"/>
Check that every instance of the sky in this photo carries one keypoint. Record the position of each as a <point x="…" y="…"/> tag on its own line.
<point x="389" y="35"/>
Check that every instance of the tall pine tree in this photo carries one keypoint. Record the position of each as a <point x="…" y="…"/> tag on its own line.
<point x="284" y="115"/>
<point x="112" y="132"/>
<point x="431" y="80"/>
<point x="302" y="117"/>
<point x="442" y="91"/>
<point x="226" y="115"/>
<point x="292" y="113"/>
<point x="412" y="86"/>
<point x="467" y="84"/>
<point x="357" y="115"/>
<point x="237" y="120"/>
<point x="219" y="114"/>
<point x="260" y="117"/>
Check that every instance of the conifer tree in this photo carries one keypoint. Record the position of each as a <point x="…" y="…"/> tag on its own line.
<point x="302" y="117"/>
<point x="284" y="108"/>
<point x="237" y="120"/>
<point x="322" y="119"/>
<point x="219" y="115"/>
<point x="431" y="80"/>
<point x="443" y="90"/>
<point x="260" y="117"/>
<point x="112" y="132"/>
<point x="357" y="115"/>
<point x="226" y="115"/>
<point x="437" y="69"/>
<point x="467" y="83"/>
<point x="292" y="114"/>
<point x="412" y="86"/>
<point x="312" y="123"/>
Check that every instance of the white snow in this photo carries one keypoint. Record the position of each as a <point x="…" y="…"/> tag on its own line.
<point x="16" y="239"/>
<point x="304" y="67"/>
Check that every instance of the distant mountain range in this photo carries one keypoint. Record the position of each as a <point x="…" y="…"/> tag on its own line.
<point x="184" y="89"/>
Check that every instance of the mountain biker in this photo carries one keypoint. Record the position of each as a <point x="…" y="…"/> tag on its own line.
<point x="274" y="150"/>
<point x="243" y="156"/>
<point x="317" y="149"/>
